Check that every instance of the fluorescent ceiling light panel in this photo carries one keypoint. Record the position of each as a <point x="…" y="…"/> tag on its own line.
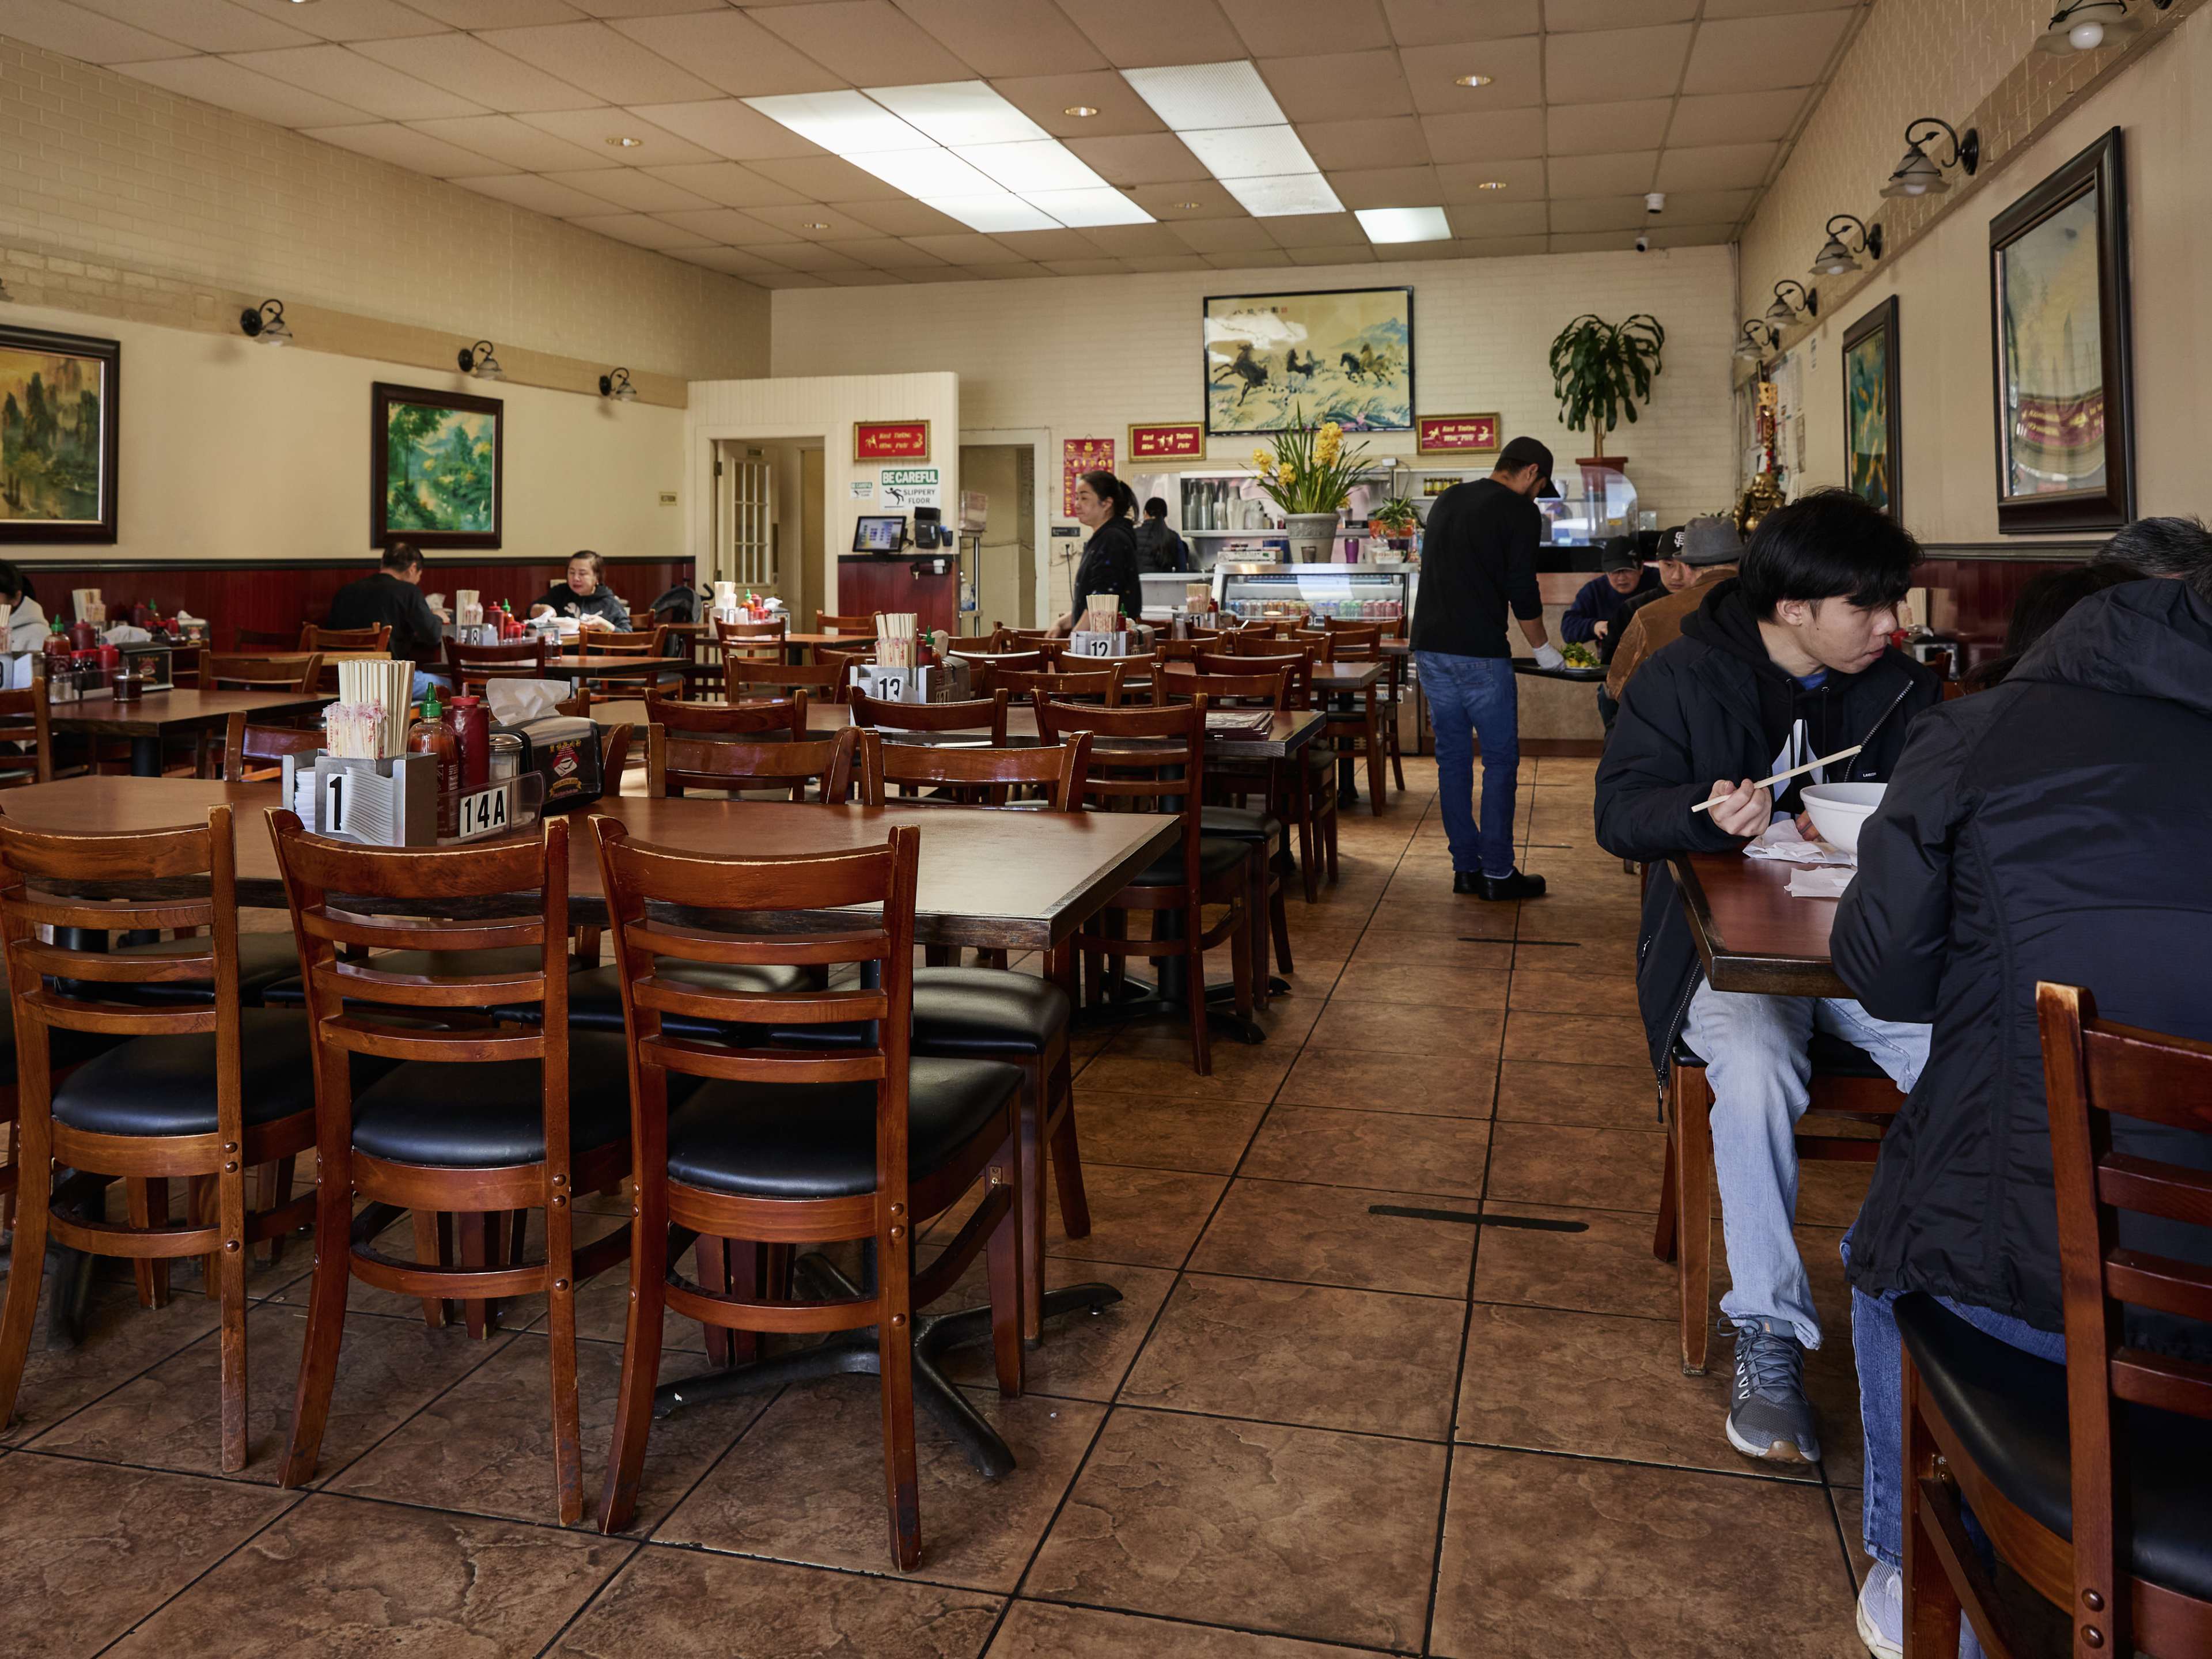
<point x="925" y="173"/>
<point x="1190" y="97"/>
<point x="1080" y="210"/>
<point x="843" y="123"/>
<point x="955" y="112"/>
<point x="993" y="212"/>
<point x="1249" y="152"/>
<point x="1033" y="166"/>
<point x="1405" y="224"/>
<point x="1284" y="193"/>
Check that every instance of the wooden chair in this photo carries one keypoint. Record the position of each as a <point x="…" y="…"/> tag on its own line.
<point x="2088" y="1478"/>
<point x="376" y="637"/>
<point x="1103" y="684"/>
<point x="1167" y="776"/>
<point x="643" y="644"/>
<point x="839" y="663"/>
<point x="244" y="745"/>
<point x="25" y="718"/>
<point x="294" y="671"/>
<point x="471" y="666"/>
<point x="751" y="641"/>
<point x="199" y="1090"/>
<point x="787" y="716"/>
<point x="482" y="1123"/>
<point x="677" y="763"/>
<point x="1310" y="801"/>
<point x="976" y="777"/>
<point x="975" y="714"/>
<point x="744" y="680"/>
<point x="986" y="666"/>
<point x="258" y="642"/>
<point x="830" y="622"/>
<point x="1358" y="730"/>
<point x="800" y="1146"/>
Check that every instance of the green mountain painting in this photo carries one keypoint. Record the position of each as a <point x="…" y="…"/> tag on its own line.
<point x="441" y="468"/>
<point x="50" y="437"/>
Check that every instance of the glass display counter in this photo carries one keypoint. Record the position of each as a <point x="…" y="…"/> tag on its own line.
<point x="1382" y="592"/>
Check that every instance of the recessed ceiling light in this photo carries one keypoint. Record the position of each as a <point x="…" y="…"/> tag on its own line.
<point x="814" y="224"/>
<point x="1474" y="80"/>
<point x="1081" y="111"/>
<point x="1491" y="183"/>
<point x="621" y="141"/>
<point x="1186" y="207"/>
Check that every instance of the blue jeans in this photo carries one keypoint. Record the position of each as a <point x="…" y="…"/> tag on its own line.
<point x="1471" y="697"/>
<point x="1880" y="1353"/>
<point x="1754" y="1047"/>
<point x="423" y="683"/>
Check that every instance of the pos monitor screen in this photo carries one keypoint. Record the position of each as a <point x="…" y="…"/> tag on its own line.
<point x="879" y="532"/>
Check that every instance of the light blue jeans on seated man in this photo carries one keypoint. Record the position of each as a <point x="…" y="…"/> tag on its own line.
<point x="1471" y="697"/>
<point x="1757" y="1066"/>
<point x="423" y="683"/>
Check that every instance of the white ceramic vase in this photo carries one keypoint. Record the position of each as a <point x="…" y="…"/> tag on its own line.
<point x="1313" y="538"/>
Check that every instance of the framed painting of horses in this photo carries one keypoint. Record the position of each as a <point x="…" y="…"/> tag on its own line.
<point x="1343" y="354"/>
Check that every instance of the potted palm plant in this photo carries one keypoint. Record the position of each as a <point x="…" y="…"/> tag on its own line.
<point x="1307" y="472"/>
<point x="1600" y="371"/>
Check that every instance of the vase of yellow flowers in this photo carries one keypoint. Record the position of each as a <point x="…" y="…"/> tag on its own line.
<point x="1307" y="471"/>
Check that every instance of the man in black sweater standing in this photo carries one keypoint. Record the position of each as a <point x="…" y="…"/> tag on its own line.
<point x="1478" y="560"/>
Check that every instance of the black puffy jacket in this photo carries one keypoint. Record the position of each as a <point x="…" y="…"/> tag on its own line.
<point x="2056" y="828"/>
<point x="1691" y="718"/>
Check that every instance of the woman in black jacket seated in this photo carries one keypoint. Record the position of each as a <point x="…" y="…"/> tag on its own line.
<point x="585" y="595"/>
<point x="2051" y="828"/>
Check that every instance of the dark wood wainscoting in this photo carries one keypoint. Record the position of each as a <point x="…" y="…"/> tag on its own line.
<point x="279" y="598"/>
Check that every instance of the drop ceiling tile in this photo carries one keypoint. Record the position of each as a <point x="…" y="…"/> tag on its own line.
<point x="869" y="42"/>
<point x="1139" y="158"/>
<point x="1762" y="8"/>
<point x="597" y="130"/>
<point x="1516" y="69"/>
<point x="1720" y="167"/>
<point x="1258" y="260"/>
<point x="403" y="147"/>
<point x="1616" y="213"/>
<point x="809" y="221"/>
<point x="1383" y="141"/>
<point x="1046" y="100"/>
<point x="1602" y="175"/>
<point x="349" y="20"/>
<point x="1610" y="65"/>
<point x="1425" y="252"/>
<point x="1320" y="88"/>
<point x="1043" y="245"/>
<point x="463" y="65"/>
<point x="1607" y="128"/>
<point x="1147" y="33"/>
<point x="1463" y="181"/>
<point x="641" y="231"/>
<point x="1380" y="187"/>
<point x="729" y="128"/>
<point x="1297" y="28"/>
<point x="826" y="178"/>
<point x="615" y="8"/>
<point x="812" y="256"/>
<point x="1298" y="230"/>
<point x="1562" y="16"/>
<point x="1498" y="135"/>
<point x="603" y="62"/>
<point x="733" y="52"/>
<point x="1007" y="37"/>
<point x="926" y="275"/>
<point x="1446" y="22"/>
<point x="1491" y="220"/>
<point x="1764" y="52"/>
<point x="905" y="217"/>
<point x="1131" y="241"/>
<point x="1592" y="241"/>
<point x="202" y="25"/>
<point x="506" y="139"/>
<point x="1708" y="206"/>
<point x="730" y="261"/>
<point x="966" y="248"/>
<point x="1094" y="267"/>
<point x="1014" y="272"/>
<point x="54" y="27"/>
<point x="527" y="189"/>
<point x="865" y="278"/>
<point x="1224" y="236"/>
<point x="1495" y="247"/>
<point x="1731" y="118"/>
<point x="783" y="279"/>
<point x="498" y="13"/>
<point x="628" y="187"/>
<point x="341" y="73"/>
<point x="727" y="185"/>
<point x="1160" y="263"/>
<point x="1184" y="202"/>
<point x="219" y="82"/>
<point x="1693" y="236"/>
<point x="728" y="225"/>
<point x="887" y="253"/>
<point x="1342" y="253"/>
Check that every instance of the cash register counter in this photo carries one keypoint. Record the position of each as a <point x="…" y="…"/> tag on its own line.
<point x="927" y="584"/>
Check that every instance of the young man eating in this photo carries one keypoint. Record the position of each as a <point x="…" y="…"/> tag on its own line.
<point x="1787" y="661"/>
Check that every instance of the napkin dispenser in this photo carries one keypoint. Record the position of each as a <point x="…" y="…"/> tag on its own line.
<point x="393" y="801"/>
<point x="157" y="663"/>
<point x="561" y="749"/>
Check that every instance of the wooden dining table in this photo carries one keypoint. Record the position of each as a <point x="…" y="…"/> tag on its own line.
<point x="186" y="711"/>
<point x="1287" y="731"/>
<point x="1751" y="934"/>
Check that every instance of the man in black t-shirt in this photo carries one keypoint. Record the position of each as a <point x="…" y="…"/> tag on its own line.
<point x="1478" y="561"/>
<point x="393" y="595"/>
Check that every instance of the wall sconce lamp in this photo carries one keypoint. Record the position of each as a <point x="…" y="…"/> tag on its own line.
<point x="477" y="360"/>
<point x="617" y="386"/>
<point x="2092" y="25"/>
<point x="1759" y="340"/>
<point x="266" y="323"/>
<point x="1920" y="173"/>
<point x="1785" y="311"/>
<point x="1835" y="257"/>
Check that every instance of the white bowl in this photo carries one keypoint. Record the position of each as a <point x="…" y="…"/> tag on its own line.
<point x="1838" y="810"/>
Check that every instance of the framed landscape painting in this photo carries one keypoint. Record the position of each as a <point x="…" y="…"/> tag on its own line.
<point x="2058" y="303"/>
<point x="1345" y="355"/>
<point x="1871" y="423"/>
<point x="435" y="467"/>
<point x="57" y="437"/>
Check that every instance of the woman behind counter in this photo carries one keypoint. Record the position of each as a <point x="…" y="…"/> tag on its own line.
<point x="585" y="595"/>
<point x="1106" y="507"/>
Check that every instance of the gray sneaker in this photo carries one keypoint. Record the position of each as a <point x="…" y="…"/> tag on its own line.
<point x="1769" y="1415"/>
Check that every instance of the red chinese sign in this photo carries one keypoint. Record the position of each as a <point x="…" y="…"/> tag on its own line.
<point x="1458" y="435"/>
<point x="891" y="440"/>
<point x="1076" y="457"/>
<point x="1171" y="440"/>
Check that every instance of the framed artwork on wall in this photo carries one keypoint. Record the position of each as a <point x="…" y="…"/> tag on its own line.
<point x="1872" y="423"/>
<point x="59" y="445"/>
<point x="1345" y="355"/>
<point x="435" y="467"/>
<point x="2059" y="308"/>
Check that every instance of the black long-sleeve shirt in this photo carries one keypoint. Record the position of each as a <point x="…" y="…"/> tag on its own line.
<point x="1477" y="558"/>
<point x="417" y="633"/>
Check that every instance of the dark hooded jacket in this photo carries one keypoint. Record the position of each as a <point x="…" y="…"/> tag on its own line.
<point x="2055" y="828"/>
<point x="1711" y="706"/>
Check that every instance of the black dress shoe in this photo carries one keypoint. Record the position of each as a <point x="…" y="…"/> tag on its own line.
<point x="1515" y="886"/>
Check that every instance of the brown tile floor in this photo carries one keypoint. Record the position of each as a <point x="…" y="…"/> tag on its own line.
<point x="1308" y="1429"/>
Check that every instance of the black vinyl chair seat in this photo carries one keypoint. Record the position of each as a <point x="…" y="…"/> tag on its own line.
<point x="982" y="1013"/>
<point x="63" y="1048"/>
<point x="815" y="1140"/>
<point x="487" y="1114"/>
<point x="165" y="1086"/>
<point x="1244" y="824"/>
<point x="516" y="959"/>
<point x="595" y="993"/>
<point x="2009" y="1409"/>
<point x="1218" y="857"/>
<point x="1831" y="1056"/>
<point x="265" y="960"/>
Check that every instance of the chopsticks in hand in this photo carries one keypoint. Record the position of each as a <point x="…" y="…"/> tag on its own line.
<point x="1780" y="777"/>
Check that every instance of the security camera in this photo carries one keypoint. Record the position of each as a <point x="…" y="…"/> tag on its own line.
<point x="1655" y="202"/>
<point x="1643" y="244"/>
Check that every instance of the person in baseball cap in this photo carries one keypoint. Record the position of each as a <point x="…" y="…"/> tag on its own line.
<point x="1598" y="606"/>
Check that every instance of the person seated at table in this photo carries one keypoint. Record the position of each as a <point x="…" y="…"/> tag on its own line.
<point x="2040" y="604"/>
<point x="2051" y="827"/>
<point x="1704" y="556"/>
<point x="1590" y="618"/>
<point x="1785" y="662"/>
<point x="585" y="595"/>
<point x="391" y="596"/>
<point x="26" y="621"/>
